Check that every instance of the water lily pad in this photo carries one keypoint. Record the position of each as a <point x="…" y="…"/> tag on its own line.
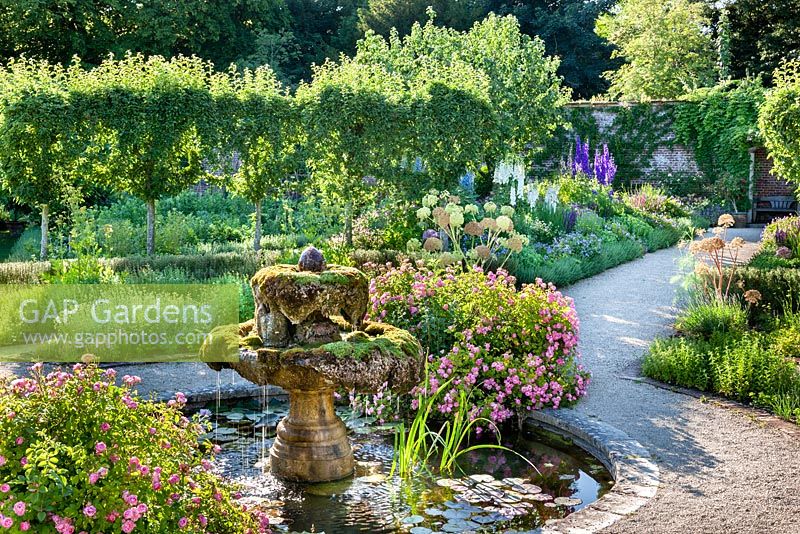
<point x="460" y="526"/>
<point x="413" y="519"/>
<point x="456" y="514"/>
<point x="511" y="481"/>
<point x="447" y="482"/>
<point x="542" y="497"/>
<point x="568" y="501"/>
<point x="566" y="477"/>
<point x="483" y="519"/>
<point x="433" y="512"/>
<point x="550" y="504"/>
<point x="421" y="530"/>
<point x="482" y="478"/>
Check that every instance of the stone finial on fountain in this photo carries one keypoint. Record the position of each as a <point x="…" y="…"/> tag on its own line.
<point x="312" y="260"/>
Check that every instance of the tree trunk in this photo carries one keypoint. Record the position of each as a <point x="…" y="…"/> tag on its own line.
<point x="348" y="224"/>
<point x="151" y="227"/>
<point x="45" y="230"/>
<point x="257" y="238"/>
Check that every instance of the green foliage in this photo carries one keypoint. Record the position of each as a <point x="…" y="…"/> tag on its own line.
<point x="678" y="361"/>
<point x="762" y="35"/>
<point x="523" y="89"/>
<point x="721" y="125"/>
<point x="779" y="122"/>
<point x="652" y="199"/>
<point x="745" y="368"/>
<point x="562" y="24"/>
<point x="219" y="30"/>
<point x="666" y="46"/>
<point x="779" y="288"/>
<point x="567" y="270"/>
<point x="384" y="16"/>
<point x="92" y="447"/>
<point x="354" y="125"/>
<point x="705" y="319"/>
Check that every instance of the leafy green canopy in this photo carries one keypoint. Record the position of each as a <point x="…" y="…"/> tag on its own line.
<point x="666" y="45"/>
<point x="779" y="121"/>
<point x="39" y="145"/>
<point x="354" y="120"/>
<point x="153" y="122"/>
<point x="524" y="93"/>
<point x="263" y="132"/>
<point x="562" y="25"/>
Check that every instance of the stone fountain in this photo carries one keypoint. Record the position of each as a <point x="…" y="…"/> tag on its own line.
<point x="309" y="337"/>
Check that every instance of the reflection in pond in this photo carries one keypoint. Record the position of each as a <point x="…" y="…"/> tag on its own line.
<point x="492" y="491"/>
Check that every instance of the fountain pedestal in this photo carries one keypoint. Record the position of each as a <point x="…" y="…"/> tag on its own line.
<point x="308" y="337"/>
<point x="311" y="442"/>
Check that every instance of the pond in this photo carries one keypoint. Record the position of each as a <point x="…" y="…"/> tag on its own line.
<point x="490" y="491"/>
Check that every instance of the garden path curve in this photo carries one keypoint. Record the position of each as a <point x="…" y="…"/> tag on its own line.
<point x="721" y="470"/>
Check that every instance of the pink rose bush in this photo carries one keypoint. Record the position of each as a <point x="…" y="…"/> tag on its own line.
<point x="78" y="457"/>
<point x="513" y="350"/>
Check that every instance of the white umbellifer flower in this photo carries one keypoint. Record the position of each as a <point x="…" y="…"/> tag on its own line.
<point x="456" y="219"/>
<point x="423" y="213"/>
<point x="429" y="200"/>
<point x="471" y="209"/>
<point x="490" y="207"/>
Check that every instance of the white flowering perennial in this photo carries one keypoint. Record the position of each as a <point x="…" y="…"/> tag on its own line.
<point x="511" y="172"/>
<point x="551" y="197"/>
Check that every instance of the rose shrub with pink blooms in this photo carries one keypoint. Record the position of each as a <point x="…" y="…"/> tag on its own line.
<point x="80" y="454"/>
<point x="513" y="350"/>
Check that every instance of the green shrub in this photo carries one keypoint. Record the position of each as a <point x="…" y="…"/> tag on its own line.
<point x="678" y="361"/>
<point x="567" y="270"/>
<point x="748" y="367"/>
<point x="779" y="288"/>
<point x="766" y="259"/>
<point x="661" y="237"/>
<point x="703" y="320"/>
<point x="27" y="245"/>
<point x="101" y="458"/>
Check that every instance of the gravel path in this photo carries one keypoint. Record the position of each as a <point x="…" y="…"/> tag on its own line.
<point x="721" y="471"/>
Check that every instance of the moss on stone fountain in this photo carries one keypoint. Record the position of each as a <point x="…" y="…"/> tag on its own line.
<point x="308" y="337"/>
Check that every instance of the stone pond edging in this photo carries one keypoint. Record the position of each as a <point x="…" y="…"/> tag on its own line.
<point x="635" y="473"/>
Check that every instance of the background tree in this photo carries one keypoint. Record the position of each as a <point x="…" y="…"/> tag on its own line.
<point x="154" y="125"/>
<point x="220" y="30"/>
<point x="264" y="138"/>
<point x="762" y="34"/>
<point x="562" y="25"/>
<point x="666" y="45"/>
<point x="779" y="122"/>
<point x="39" y="149"/>
<point x="381" y="16"/>
<point x="355" y="121"/>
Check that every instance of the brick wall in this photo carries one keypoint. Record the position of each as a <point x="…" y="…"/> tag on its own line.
<point x="670" y="157"/>
<point x="766" y="184"/>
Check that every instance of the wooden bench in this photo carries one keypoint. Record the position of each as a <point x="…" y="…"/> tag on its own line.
<point x="773" y="207"/>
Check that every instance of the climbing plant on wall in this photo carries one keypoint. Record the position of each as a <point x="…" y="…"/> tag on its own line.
<point x="632" y="133"/>
<point x="779" y="122"/>
<point x="720" y="124"/>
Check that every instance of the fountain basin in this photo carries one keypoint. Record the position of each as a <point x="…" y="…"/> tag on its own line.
<point x="311" y="443"/>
